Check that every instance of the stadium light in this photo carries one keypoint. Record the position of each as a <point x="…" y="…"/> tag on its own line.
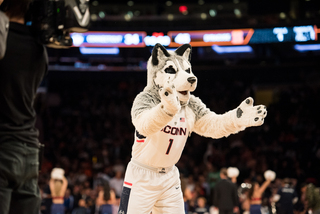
<point x="232" y="49"/>
<point x="105" y="51"/>
<point x="307" y="47"/>
<point x="183" y="9"/>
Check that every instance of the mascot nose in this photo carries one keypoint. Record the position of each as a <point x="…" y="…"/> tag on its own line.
<point x="191" y="79"/>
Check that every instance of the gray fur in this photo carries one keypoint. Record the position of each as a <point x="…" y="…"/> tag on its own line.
<point x="198" y="107"/>
<point x="144" y="101"/>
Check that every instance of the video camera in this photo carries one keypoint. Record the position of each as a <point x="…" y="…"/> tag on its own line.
<point x="52" y="21"/>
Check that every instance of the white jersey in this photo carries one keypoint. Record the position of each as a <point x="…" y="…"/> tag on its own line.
<point x="164" y="148"/>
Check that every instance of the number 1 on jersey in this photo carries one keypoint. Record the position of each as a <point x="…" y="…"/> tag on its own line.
<point x="169" y="147"/>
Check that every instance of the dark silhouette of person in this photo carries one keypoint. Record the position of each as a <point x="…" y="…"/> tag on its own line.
<point x="225" y="194"/>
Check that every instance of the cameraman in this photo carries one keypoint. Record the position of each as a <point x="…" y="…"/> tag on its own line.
<point x="21" y="70"/>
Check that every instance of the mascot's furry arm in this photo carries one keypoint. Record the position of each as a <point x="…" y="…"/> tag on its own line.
<point x="149" y="114"/>
<point x="210" y="124"/>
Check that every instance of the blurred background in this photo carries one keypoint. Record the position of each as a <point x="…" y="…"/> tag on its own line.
<point x="267" y="49"/>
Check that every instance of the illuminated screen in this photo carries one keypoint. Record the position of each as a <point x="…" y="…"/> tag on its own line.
<point x="227" y="37"/>
<point x="244" y="36"/>
<point x="210" y="37"/>
<point x="109" y="39"/>
<point x="284" y="34"/>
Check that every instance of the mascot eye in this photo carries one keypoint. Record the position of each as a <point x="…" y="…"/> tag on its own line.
<point x="170" y="70"/>
<point x="188" y="70"/>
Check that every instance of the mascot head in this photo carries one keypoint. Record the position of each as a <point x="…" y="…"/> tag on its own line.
<point x="172" y="66"/>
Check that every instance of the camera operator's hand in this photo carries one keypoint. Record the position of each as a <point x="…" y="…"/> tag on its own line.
<point x="1" y="2"/>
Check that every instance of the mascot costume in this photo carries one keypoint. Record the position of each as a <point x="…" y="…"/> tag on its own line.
<point x="164" y="115"/>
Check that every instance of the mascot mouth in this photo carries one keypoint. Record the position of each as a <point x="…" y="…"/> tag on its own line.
<point x="183" y="92"/>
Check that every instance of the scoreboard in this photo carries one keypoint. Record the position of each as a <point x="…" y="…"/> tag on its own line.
<point x="211" y="37"/>
<point x="244" y="36"/>
<point x="109" y="39"/>
<point x="223" y="37"/>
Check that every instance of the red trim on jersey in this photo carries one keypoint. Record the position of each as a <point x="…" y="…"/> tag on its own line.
<point x="140" y="141"/>
<point x="127" y="183"/>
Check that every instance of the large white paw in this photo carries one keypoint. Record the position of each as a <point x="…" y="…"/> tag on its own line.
<point x="169" y="99"/>
<point x="249" y="115"/>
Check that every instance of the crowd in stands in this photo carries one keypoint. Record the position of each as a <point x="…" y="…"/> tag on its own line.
<point x="87" y="131"/>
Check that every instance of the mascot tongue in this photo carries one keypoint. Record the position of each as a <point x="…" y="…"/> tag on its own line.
<point x="183" y="92"/>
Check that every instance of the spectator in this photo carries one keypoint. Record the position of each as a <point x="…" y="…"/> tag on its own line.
<point x="82" y="208"/>
<point x="286" y="197"/>
<point x="116" y="182"/>
<point x="310" y="196"/>
<point x="244" y="198"/>
<point x="225" y="194"/>
<point x="187" y="195"/>
<point x="202" y="207"/>
<point x="68" y="201"/>
<point x="76" y="192"/>
<point x="213" y="177"/>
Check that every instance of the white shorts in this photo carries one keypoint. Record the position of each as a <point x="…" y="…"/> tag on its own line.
<point x="147" y="189"/>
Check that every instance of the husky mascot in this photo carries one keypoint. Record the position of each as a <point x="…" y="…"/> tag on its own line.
<point x="164" y="115"/>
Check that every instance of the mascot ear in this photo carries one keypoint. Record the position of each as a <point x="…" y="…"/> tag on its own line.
<point x="158" y="53"/>
<point x="184" y="51"/>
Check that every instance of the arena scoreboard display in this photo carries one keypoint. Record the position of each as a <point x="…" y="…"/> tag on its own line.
<point x="223" y="37"/>
<point x="109" y="39"/>
<point x="244" y="36"/>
